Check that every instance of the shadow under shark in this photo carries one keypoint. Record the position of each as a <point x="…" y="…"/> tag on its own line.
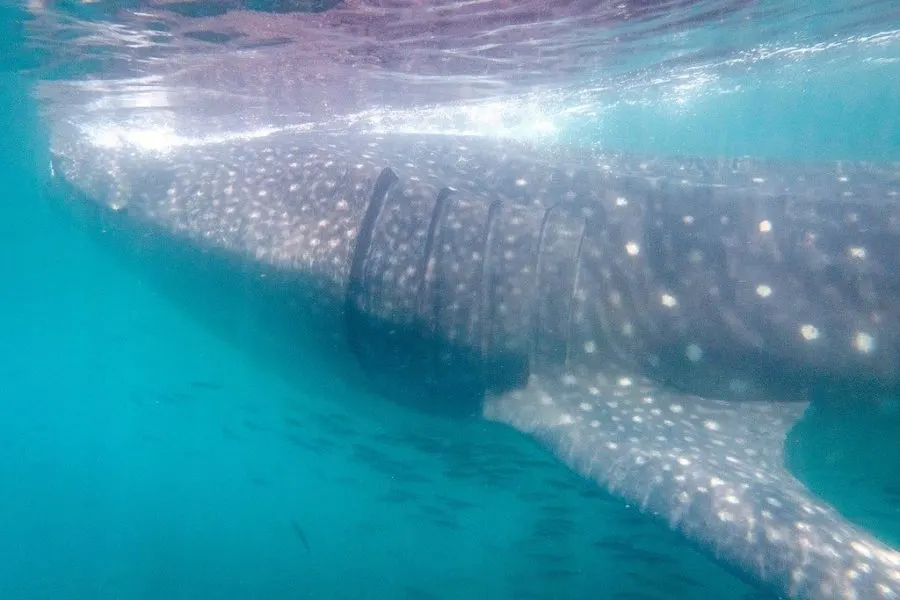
<point x="658" y="324"/>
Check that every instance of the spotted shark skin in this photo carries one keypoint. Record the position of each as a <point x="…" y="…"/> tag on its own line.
<point x="656" y="323"/>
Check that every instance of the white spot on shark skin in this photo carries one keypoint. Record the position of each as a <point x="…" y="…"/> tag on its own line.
<point x="694" y="353"/>
<point x="809" y="332"/>
<point x="763" y="290"/>
<point x="632" y="248"/>
<point x="861" y="549"/>
<point x="668" y="300"/>
<point x="615" y="298"/>
<point x="863" y="342"/>
<point x="856" y="252"/>
<point x="621" y="201"/>
<point x="765" y="226"/>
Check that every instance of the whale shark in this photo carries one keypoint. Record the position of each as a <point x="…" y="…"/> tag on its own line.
<point x="659" y="324"/>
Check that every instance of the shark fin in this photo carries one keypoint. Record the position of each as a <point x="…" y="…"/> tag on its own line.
<point x="713" y="469"/>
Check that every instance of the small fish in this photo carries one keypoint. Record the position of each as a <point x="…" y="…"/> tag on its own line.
<point x="298" y="531"/>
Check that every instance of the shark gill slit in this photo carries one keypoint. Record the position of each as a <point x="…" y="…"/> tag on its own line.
<point x="486" y="296"/>
<point x="535" y="300"/>
<point x="355" y="285"/>
<point x="428" y="304"/>
<point x="576" y="272"/>
<point x="438" y="213"/>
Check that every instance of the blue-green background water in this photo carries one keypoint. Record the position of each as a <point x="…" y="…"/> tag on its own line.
<point x="146" y="452"/>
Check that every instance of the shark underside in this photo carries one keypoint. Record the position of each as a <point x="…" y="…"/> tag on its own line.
<point x="659" y="324"/>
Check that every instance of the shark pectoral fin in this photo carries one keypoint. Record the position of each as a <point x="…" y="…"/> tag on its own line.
<point x="713" y="469"/>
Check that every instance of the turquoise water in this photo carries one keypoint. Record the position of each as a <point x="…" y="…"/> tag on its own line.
<point x="163" y="441"/>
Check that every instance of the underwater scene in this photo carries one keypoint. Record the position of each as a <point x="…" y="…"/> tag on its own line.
<point x="431" y="299"/>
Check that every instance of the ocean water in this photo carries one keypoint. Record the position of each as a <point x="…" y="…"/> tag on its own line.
<point x="163" y="439"/>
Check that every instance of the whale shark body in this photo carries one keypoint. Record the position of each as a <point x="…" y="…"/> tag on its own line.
<point x="658" y="324"/>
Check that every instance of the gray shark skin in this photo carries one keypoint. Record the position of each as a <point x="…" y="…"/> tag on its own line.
<point x="657" y="323"/>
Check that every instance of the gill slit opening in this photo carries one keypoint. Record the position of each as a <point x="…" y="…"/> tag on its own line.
<point x="355" y="281"/>
<point x="429" y="264"/>
<point x="572" y="296"/>
<point x="487" y="296"/>
<point x="536" y="295"/>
